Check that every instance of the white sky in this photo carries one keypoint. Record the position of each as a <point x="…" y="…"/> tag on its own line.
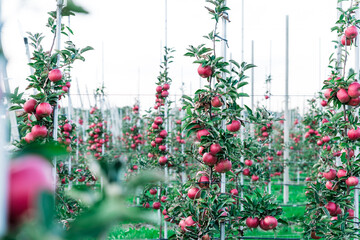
<point x="132" y="33"/>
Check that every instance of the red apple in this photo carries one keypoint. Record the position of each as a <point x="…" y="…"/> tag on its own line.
<point x="341" y="173"/>
<point x="354" y="90"/>
<point x="223" y="166"/>
<point x="248" y="162"/>
<point x="330" y="175"/>
<point x="252" y="222"/>
<point x="216" y="102"/>
<point x="189" y="221"/>
<point x="246" y="171"/>
<point x="328" y="93"/>
<point x="28" y="177"/>
<point x="352" y="181"/>
<point x="234" y="192"/>
<point x="29" y="137"/>
<point x="354" y="134"/>
<point x="346" y="41"/>
<point x="351" y="32"/>
<point x="215" y="148"/>
<point x="268" y="223"/>
<point x="182" y="225"/>
<point x="204" y="72"/>
<point x="254" y="178"/>
<point x="342" y="95"/>
<point x="158" y="120"/>
<point x="234" y="126"/>
<point x="162" y="160"/>
<point x="204" y="182"/>
<point x="194" y="193"/>
<point x="163" y="199"/>
<point x="153" y="191"/>
<point x="39" y="131"/>
<point x="354" y="102"/>
<point x="209" y="159"/>
<point x="67" y="127"/>
<point x="331" y="207"/>
<point x="203" y="132"/>
<point x="44" y="109"/>
<point x="29" y="105"/>
<point x="55" y="75"/>
<point x="323" y="103"/>
<point x="156" y="205"/>
<point x="163" y="134"/>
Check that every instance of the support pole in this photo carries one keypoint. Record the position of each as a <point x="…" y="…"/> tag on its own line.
<point x="242" y="130"/>
<point x="223" y="175"/>
<point x="3" y="154"/>
<point x="252" y="133"/>
<point x="287" y="116"/>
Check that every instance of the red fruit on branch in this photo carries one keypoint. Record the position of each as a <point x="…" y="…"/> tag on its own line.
<point x="234" y="126"/>
<point x="162" y="148"/>
<point x="354" y="102"/>
<point x="352" y="181"/>
<point x="158" y="120"/>
<point x="330" y="175"/>
<point x="246" y="171"/>
<point x="223" y="166"/>
<point x="29" y="105"/>
<point x="216" y="102"/>
<point x="163" y="199"/>
<point x="354" y="134"/>
<point x="39" y="131"/>
<point x="248" y="162"/>
<point x="204" y="72"/>
<point x="162" y="160"/>
<point x="29" y="137"/>
<point x="28" y="177"/>
<point x="215" y="148"/>
<point x="156" y="205"/>
<point x="153" y="191"/>
<point x="323" y="103"/>
<point x="234" y="192"/>
<point x="203" y="132"/>
<point x="252" y="222"/>
<point x="55" y="75"/>
<point x="328" y="93"/>
<point x="351" y="32"/>
<point x="44" y="109"/>
<point x="165" y="94"/>
<point x="326" y="139"/>
<point x="65" y="89"/>
<point x="354" y="90"/>
<point x="209" y="159"/>
<point x="343" y="96"/>
<point x="341" y="173"/>
<point x="67" y="127"/>
<point x="346" y="41"/>
<point x="163" y="134"/>
<point x="158" y="140"/>
<point x="331" y="207"/>
<point x="194" y="193"/>
<point x="159" y="89"/>
<point x="268" y="223"/>
<point x="166" y="87"/>
<point x="204" y="182"/>
<point x="254" y="178"/>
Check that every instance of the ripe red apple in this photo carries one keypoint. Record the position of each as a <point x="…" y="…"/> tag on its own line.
<point x="162" y="160"/>
<point x="223" y="166"/>
<point x="159" y="89"/>
<point x="331" y="207"/>
<point x="156" y="205"/>
<point x="252" y="222"/>
<point x="209" y="159"/>
<point x="204" y="72"/>
<point x="354" y="134"/>
<point x="354" y="102"/>
<point x="328" y="93"/>
<point x="326" y="139"/>
<point x="248" y="162"/>
<point x="67" y="127"/>
<point x="352" y="181"/>
<point x="146" y="205"/>
<point x="351" y="213"/>
<point x="153" y="191"/>
<point x="234" y="126"/>
<point x="189" y="221"/>
<point x="55" y="75"/>
<point x="246" y="171"/>
<point x="29" y="105"/>
<point x="204" y="182"/>
<point x="215" y="148"/>
<point x="165" y="94"/>
<point x="28" y="177"/>
<point x="346" y="41"/>
<point x="329" y="185"/>
<point x="162" y="148"/>
<point x="234" y="192"/>
<point x="158" y="140"/>
<point x="39" y="131"/>
<point x="254" y="178"/>
<point x="330" y="175"/>
<point x="44" y="109"/>
<point x="194" y="193"/>
<point x="268" y="223"/>
<point x="341" y="173"/>
<point x="323" y="103"/>
<point x="163" y="199"/>
<point x="354" y="90"/>
<point x="65" y="89"/>
<point x="158" y="120"/>
<point x="163" y="134"/>
<point x="29" y="137"/>
<point x="343" y="96"/>
<point x="216" y="102"/>
<point x="203" y="132"/>
<point x="182" y="225"/>
<point x="351" y="32"/>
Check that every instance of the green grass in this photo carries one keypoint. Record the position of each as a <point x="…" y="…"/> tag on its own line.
<point x="121" y="232"/>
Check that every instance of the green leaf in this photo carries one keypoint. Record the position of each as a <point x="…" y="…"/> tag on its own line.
<point x="88" y="48"/>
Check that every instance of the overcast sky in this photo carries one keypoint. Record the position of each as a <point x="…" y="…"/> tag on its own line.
<point x="132" y="33"/>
